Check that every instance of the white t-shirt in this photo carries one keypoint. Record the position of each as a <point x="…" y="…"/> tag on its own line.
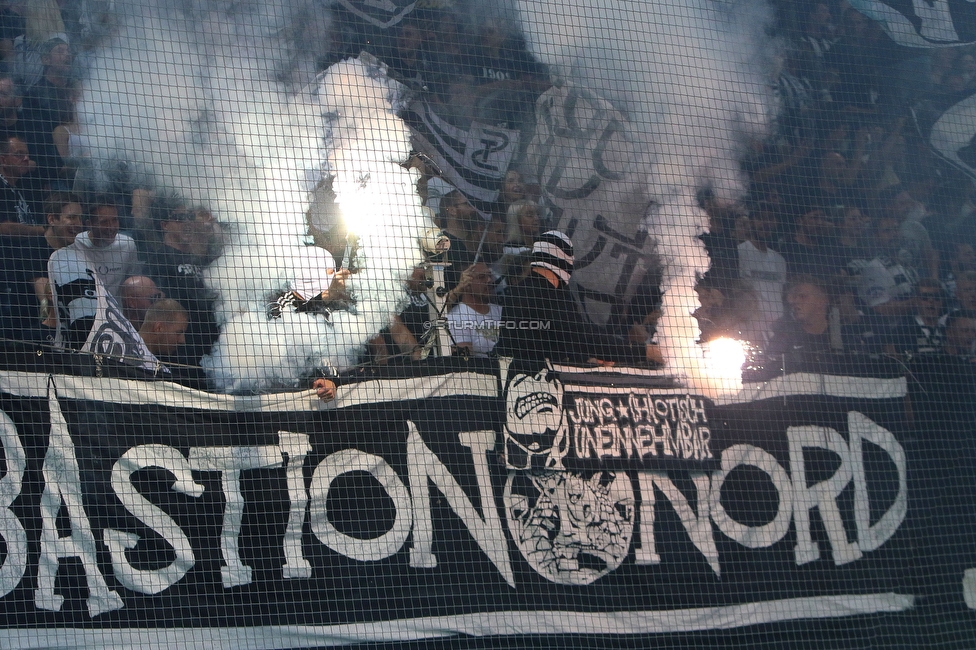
<point x="765" y="273"/>
<point x="479" y="330"/>
<point x="113" y="263"/>
<point x="316" y="270"/>
<point x="73" y="284"/>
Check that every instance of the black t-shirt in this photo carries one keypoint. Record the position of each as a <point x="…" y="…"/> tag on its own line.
<point x="179" y="276"/>
<point x="12" y="24"/>
<point x="819" y="261"/>
<point x="723" y="252"/>
<point x="510" y="104"/>
<point x="909" y="336"/>
<point x="27" y="257"/>
<point x="541" y="322"/>
<point x="416" y="317"/>
<point x="513" y="63"/>
<point x="45" y="107"/>
<point x="15" y="207"/>
<point x="789" y="338"/>
<point x="23" y="260"/>
<point x="459" y="258"/>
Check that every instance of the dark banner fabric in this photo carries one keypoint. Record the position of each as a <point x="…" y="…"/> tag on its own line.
<point x="949" y="126"/>
<point x="484" y="504"/>
<point x="923" y="23"/>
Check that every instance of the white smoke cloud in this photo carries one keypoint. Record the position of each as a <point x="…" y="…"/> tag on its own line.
<point x="215" y="107"/>
<point x="365" y="146"/>
<point x="691" y="77"/>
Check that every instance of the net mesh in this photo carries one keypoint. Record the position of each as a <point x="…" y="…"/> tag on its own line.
<point x="440" y="323"/>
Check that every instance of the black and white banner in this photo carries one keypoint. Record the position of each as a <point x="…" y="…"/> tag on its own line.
<point x="473" y="159"/>
<point x="952" y="134"/>
<point x="380" y="13"/>
<point x="146" y="513"/>
<point x="113" y="335"/>
<point x="923" y="23"/>
<point x="584" y="159"/>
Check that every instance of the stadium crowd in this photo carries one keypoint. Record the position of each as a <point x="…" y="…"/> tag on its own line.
<point x="852" y="238"/>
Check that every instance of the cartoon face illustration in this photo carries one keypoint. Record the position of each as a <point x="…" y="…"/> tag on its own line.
<point x="534" y="404"/>
<point x="572" y="529"/>
<point x="534" y="415"/>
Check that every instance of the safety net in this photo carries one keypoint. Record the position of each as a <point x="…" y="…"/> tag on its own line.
<point x="488" y="323"/>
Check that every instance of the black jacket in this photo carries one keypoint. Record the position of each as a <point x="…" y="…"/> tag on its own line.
<point x="541" y="322"/>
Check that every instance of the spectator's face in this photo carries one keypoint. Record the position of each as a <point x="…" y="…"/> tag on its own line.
<point x="466" y="217"/>
<point x="961" y="334"/>
<point x="887" y="232"/>
<point x="170" y="336"/>
<point x="855" y="222"/>
<point x="66" y="224"/>
<point x="104" y="225"/>
<point x="762" y="226"/>
<point x="190" y="231"/>
<point x="59" y="58"/>
<point x="966" y="294"/>
<point x="838" y="135"/>
<point x="492" y="36"/>
<point x="482" y="283"/>
<point x="529" y="222"/>
<point x="710" y="298"/>
<point x="447" y="31"/>
<point x="807" y="302"/>
<point x="196" y="232"/>
<point x="16" y="162"/>
<point x="929" y="302"/>
<point x="513" y="189"/>
<point x="464" y="211"/>
<point x="833" y="167"/>
<point x="903" y="205"/>
<point x="140" y="302"/>
<point x="965" y="256"/>
<point x="495" y="238"/>
<point x="410" y="39"/>
<point x="136" y="300"/>
<point x="9" y="99"/>
<point x="815" y="224"/>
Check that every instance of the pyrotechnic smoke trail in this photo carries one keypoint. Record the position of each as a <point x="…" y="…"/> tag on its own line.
<point x="216" y="106"/>
<point x="366" y="143"/>
<point x="214" y="109"/>
<point x="691" y="78"/>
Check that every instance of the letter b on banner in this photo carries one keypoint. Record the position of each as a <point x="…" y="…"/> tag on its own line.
<point x="12" y="531"/>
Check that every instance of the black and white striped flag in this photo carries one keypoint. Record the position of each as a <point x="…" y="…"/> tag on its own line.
<point x="923" y="23"/>
<point x="952" y="134"/>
